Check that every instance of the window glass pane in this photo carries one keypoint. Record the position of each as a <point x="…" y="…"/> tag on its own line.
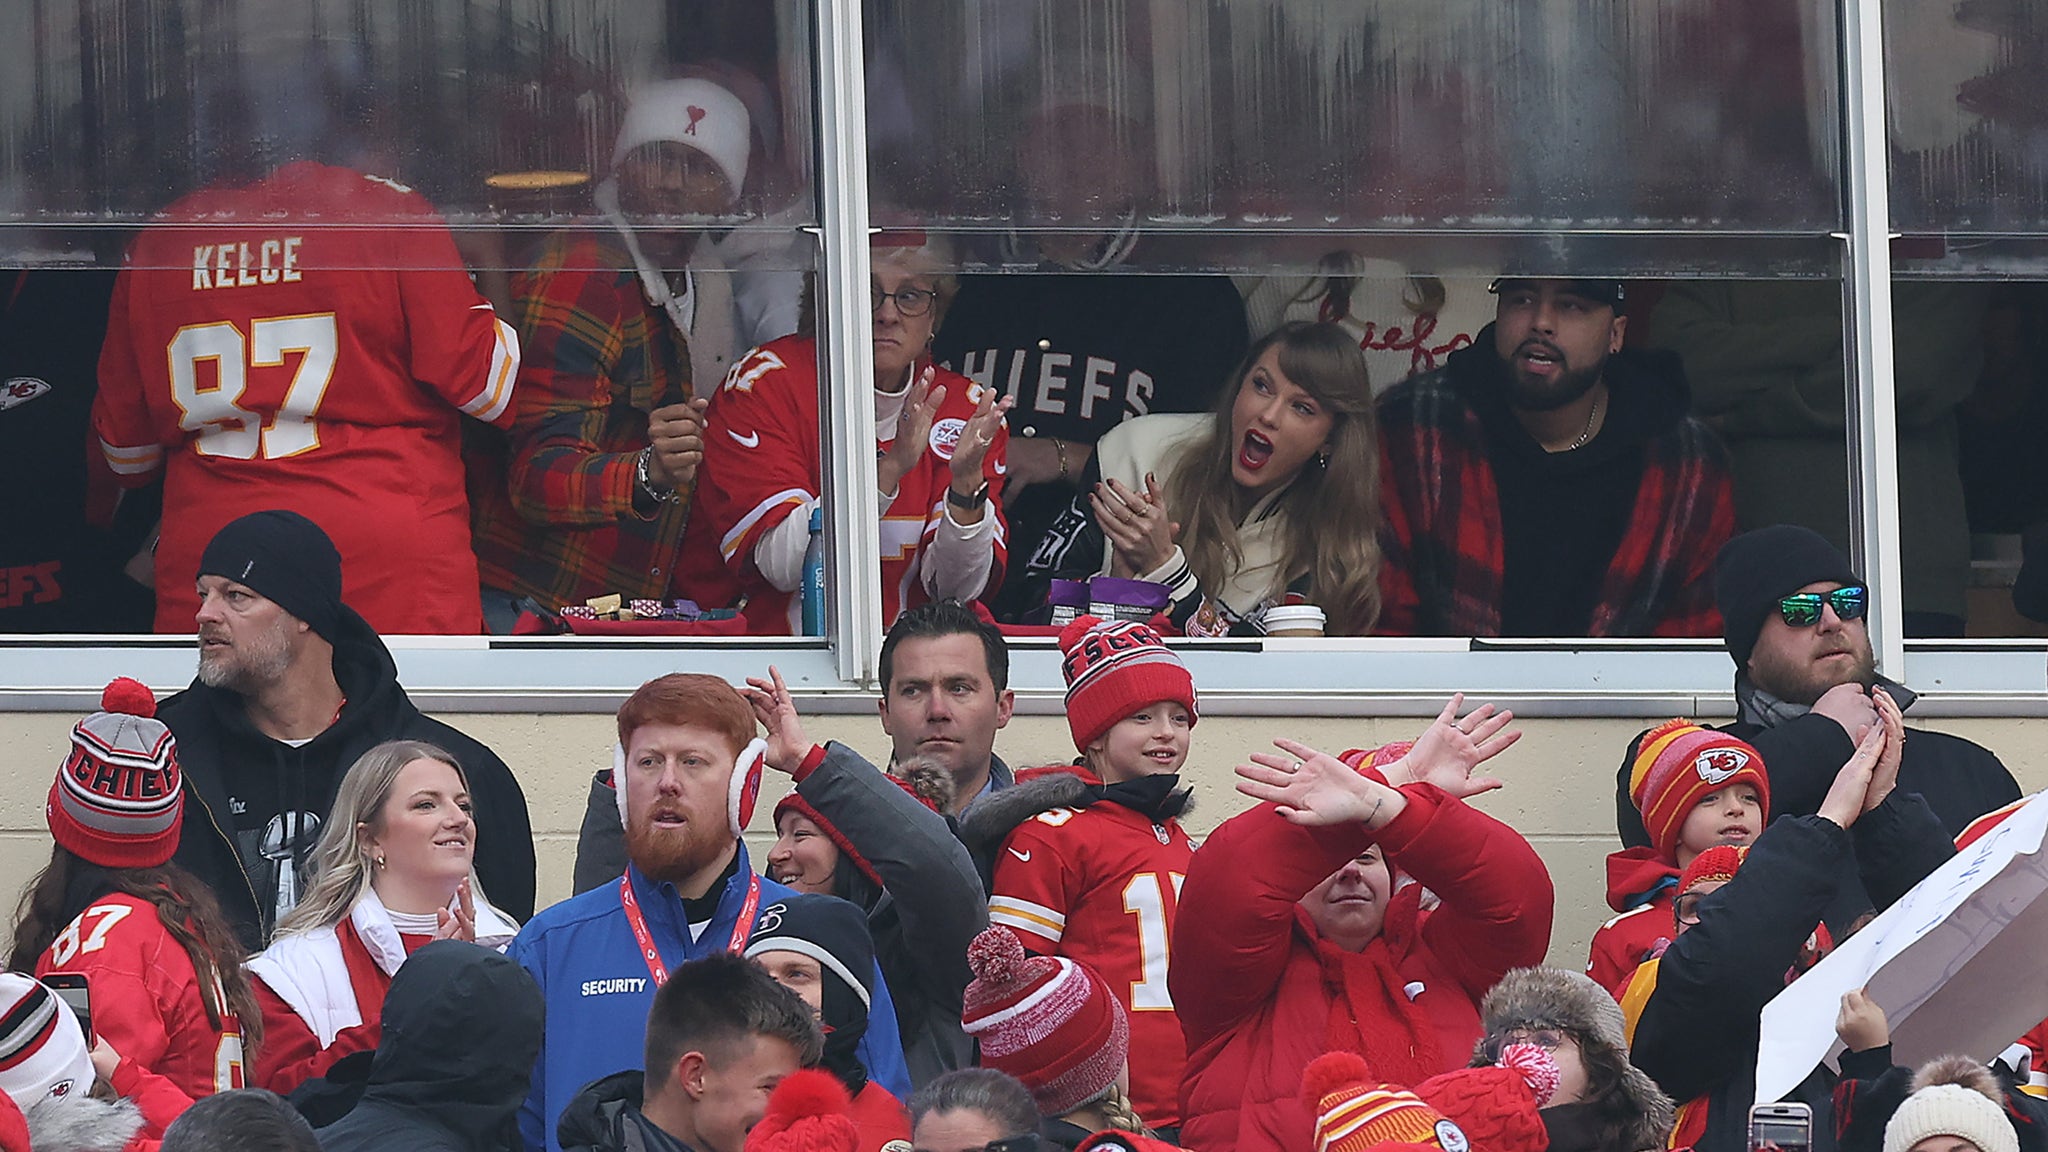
<point x="1190" y="123"/>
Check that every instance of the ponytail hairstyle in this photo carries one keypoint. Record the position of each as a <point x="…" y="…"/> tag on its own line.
<point x="1331" y="510"/>
<point x="65" y="888"/>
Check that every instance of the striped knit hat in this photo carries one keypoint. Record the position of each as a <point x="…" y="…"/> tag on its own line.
<point x="1115" y="667"/>
<point x="119" y="796"/>
<point x="1717" y="863"/>
<point x="42" y="1049"/>
<point x="1677" y="764"/>
<point x="1355" y="1112"/>
<point x="1051" y="1023"/>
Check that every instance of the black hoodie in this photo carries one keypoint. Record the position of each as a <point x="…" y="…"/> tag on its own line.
<point x="462" y="1026"/>
<point x="605" y="1117"/>
<point x="220" y="751"/>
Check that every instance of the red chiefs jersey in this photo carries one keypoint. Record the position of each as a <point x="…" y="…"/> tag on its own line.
<point x="1101" y="886"/>
<point x="146" y="996"/>
<point x="306" y="342"/>
<point x="762" y="462"/>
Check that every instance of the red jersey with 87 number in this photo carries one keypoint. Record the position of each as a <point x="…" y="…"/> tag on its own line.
<point x="310" y="351"/>
<point x="762" y="461"/>
<point x="147" y="999"/>
<point x="1101" y="886"/>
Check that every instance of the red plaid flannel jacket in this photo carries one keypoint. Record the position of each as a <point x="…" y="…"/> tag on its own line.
<point x="1444" y="556"/>
<point x="597" y="359"/>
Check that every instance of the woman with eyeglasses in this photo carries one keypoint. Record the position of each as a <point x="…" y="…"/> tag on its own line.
<point x="939" y="439"/>
<point x="974" y="1110"/>
<point x="1602" y="1103"/>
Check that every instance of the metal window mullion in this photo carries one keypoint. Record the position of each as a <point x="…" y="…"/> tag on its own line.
<point x="1867" y="333"/>
<point x="845" y="356"/>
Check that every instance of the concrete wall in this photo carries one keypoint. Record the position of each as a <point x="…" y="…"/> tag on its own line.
<point x="1559" y="794"/>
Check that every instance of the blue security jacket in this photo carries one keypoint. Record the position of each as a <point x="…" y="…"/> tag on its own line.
<point x="597" y="989"/>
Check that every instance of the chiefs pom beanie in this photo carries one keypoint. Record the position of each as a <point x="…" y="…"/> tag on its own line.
<point x="1678" y="763"/>
<point x="118" y="799"/>
<point x="1720" y="862"/>
<point x="1355" y="1112"/>
<point x="1115" y="667"/>
<point x="809" y="1111"/>
<point x="1498" y="1108"/>
<point x="1051" y="1023"/>
<point x="1953" y="1096"/>
<point x="42" y="1049"/>
<point x="285" y="558"/>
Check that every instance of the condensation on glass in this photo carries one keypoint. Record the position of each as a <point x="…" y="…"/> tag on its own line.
<point x="503" y="114"/>
<point x="1675" y="137"/>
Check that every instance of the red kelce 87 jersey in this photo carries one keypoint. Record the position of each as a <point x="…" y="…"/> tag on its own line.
<point x="1101" y="886"/>
<point x="310" y="351"/>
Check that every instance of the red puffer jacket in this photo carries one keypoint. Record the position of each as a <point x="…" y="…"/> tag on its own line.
<point x="1260" y="994"/>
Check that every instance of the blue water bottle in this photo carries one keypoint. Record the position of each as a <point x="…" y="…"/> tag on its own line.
<point x="814" y="576"/>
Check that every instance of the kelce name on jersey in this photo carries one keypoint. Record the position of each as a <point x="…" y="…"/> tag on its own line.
<point x="624" y="984"/>
<point x="240" y="264"/>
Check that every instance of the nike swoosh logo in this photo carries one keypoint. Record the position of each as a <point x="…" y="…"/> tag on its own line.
<point x="750" y="440"/>
<point x="1002" y="469"/>
<point x="1024" y="856"/>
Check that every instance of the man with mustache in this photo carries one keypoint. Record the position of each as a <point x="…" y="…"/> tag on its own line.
<point x="1548" y="482"/>
<point x="1805" y="681"/>
<point x="688" y="767"/>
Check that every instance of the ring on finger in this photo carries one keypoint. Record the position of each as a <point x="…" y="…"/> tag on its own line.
<point x="1294" y="767"/>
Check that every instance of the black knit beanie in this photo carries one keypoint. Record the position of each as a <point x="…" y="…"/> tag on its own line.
<point x="285" y="557"/>
<point x="835" y="934"/>
<point x="1757" y="569"/>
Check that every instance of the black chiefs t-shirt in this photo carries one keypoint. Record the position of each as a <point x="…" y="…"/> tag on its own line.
<point x="1082" y="353"/>
<point x="58" y="571"/>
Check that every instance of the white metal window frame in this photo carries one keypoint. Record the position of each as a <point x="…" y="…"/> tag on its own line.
<point x="1363" y="677"/>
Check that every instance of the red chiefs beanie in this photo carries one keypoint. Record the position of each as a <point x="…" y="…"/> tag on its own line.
<point x="1717" y="863"/>
<point x="809" y="1111"/>
<point x="1115" y="667"/>
<point x="118" y="798"/>
<point x="1677" y="764"/>
<point x="1051" y="1023"/>
<point x="1497" y="1107"/>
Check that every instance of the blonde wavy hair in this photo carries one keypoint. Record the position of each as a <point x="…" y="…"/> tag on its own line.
<point x="342" y="871"/>
<point x="1331" y="511"/>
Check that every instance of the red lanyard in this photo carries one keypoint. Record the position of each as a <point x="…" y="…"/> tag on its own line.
<point x="741" y="929"/>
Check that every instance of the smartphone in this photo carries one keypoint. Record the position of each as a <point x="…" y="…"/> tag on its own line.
<point x="71" y="988"/>
<point x="1784" y="1127"/>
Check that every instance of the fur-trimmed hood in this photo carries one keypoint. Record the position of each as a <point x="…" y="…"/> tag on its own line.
<point x="81" y="1123"/>
<point x="989" y="820"/>
<point x="1573" y="1002"/>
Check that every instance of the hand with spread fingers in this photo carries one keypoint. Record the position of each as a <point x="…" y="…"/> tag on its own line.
<point x="1312" y="787"/>
<point x="913" y="431"/>
<point x="975" y="439"/>
<point x="1452" y="746"/>
<point x="775" y="708"/>
<point x="1139" y="532"/>
<point x="460" y="922"/>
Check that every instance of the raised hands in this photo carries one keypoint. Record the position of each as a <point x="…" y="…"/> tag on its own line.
<point x="459" y="923"/>
<point x="1885" y="775"/>
<point x="775" y="708"/>
<point x="1861" y="1023"/>
<point x="976" y="438"/>
<point x="913" y="430"/>
<point x="1847" y="797"/>
<point x="1312" y="787"/>
<point x="1452" y="746"/>
<point x="1137" y="526"/>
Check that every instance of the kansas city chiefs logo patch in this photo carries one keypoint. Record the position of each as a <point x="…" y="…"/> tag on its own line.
<point x="18" y="390"/>
<point x="946" y="436"/>
<point x="1718" y="764"/>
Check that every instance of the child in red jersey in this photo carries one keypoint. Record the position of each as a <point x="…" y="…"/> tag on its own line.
<point x="1092" y="854"/>
<point x="162" y="966"/>
<point x="1696" y="788"/>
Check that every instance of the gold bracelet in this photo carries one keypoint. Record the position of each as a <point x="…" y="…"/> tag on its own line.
<point x="1059" y="446"/>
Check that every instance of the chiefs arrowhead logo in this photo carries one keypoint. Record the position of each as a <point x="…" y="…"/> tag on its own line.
<point x="1718" y="764"/>
<point x="946" y="436"/>
<point x="19" y="390"/>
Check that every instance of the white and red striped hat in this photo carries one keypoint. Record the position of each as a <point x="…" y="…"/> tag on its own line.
<point x="1048" y="1021"/>
<point x="118" y="799"/>
<point x="42" y="1048"/>
<point x="1115" y="667"/>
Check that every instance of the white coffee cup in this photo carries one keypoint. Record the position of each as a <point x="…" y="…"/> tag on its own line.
<point x="1293" y="620"/>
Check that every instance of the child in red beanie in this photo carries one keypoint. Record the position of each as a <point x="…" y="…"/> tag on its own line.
<point x="1093" y="854"/>
<point x="1695" y="788"/>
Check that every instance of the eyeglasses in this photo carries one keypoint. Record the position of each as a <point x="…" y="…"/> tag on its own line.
<point x="1687" y="907"/>
<point x="909" y="301"/>
<point x="1028" y="1142"/>
<point x="1548" y="1039"/>
<point x="1802" y="609"/>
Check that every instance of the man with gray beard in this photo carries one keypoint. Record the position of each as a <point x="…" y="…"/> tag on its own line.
<point x="293" y="686"/>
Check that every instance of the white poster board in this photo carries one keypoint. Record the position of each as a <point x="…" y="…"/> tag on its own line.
<point x="1958" y="964"/>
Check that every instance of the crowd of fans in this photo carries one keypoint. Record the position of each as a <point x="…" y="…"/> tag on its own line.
<point x="948" y="955"/>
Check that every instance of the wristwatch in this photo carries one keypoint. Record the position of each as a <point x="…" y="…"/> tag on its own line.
<point x="973" y="503"/>
<point x="646" y="482"/>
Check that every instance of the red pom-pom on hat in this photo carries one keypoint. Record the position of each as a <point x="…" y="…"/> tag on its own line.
<point x="1537" y="1066"/>
<point x="129" y="696"/>
<point x="1331" y="1071"/>
<point x="997" y="957"/>
<point x="808" y="1112"/>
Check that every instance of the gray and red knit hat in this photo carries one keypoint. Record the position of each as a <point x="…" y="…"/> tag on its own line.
<point x="1115" y="667"/>
<point x="1048" y="1021"/>
<point x="119" y="797"/>
<point x="43" y="1054"/>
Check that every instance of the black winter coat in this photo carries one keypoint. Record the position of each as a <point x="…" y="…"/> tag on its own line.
<point x="462" y="1027"/>
<point x="605" y="1117"/>
<point x="1697" y="1034"/>
<point x="212" y="725"/>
